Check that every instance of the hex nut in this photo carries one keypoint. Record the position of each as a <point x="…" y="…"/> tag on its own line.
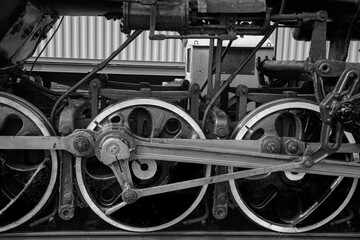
<point x="81" y="144"/>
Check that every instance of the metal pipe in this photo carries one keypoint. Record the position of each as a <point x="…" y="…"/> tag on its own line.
<point x="214" y="68"/>
<point x="237" y="71"/>
<point x="232" y="76"/>
<point x="281" y="66"/>
<point x="210" y="89"/>
<point x="218" y="65"/>
<point x="98" y="68"/>
<point x="201" y="219"/>
<point x="348" y="35"/>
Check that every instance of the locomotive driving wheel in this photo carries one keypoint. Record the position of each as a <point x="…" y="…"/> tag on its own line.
<point x="27" y="177"/>
<point x="147" y="118"/>
<point x="288" y="201"/>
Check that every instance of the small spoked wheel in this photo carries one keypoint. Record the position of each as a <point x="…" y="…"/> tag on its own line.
<point x="27" y="177"/>
<point x="147" y="118"/>
<point x="290" y="201"/>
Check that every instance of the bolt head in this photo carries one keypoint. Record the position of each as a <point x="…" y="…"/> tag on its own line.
<point x="292" y="146"/>
<point x="65" y="130"/>
<point x="308" y="163"/>
<point x="346" y="112"/>
<point x="81" y="144"/>
<point x="113" y="148"/>
<point x="222" y="132"/>
<point x="220" y="213"/>
<point x="129" y="196"/>
<point x="222" y="198"/>
<point x="67" y="198"/>
<point x="271" y="145"/>
<point x="272" y="148"/>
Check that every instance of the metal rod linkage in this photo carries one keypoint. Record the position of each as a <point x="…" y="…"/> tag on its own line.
<point x="98" y="68"/>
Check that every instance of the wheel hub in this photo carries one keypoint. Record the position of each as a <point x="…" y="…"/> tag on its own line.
<point x="144" y="169"/>
<point x="110" y="193"/>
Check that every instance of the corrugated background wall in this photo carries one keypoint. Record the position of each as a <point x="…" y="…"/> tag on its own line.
<point x="289" y="49"/>
<point x="96" y="38"/>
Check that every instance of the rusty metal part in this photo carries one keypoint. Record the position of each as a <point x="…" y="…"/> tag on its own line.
<point x="210" y="85"/>
<point x="94" y="90"/>
<point x="318" y="39"/>
<point x="69" y="115"/>
<point x="232" y="6"/>
<point x="217" y="125"/>
<point x="271" y="144"/>
<point x="220" y="196"/>
<point x="346" y="87"/>
<point x="241" y="103"/>
<point x="320" y="16"/>
<point x="66" y="197"/>
<point x="24" y="33"/>
<point x="294" y="147"/>
<point x="218" y="128"/>
<point x="67" y="124"/>
<point x="176" y="93"/>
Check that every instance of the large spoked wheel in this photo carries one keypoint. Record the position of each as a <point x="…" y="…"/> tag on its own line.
<point x="148" y="118"/>
<point x="287" y="201"/>
<point x="27" y="177"/>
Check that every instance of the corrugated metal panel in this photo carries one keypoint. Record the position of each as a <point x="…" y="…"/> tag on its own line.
<point x="289" y="49"/>
<point x="97" y="38"/>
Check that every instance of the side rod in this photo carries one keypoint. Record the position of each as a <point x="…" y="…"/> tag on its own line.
<point x="232" y="153"/>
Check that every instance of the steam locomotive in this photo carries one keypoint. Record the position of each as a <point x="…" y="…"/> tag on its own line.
<point x="146" y="157"/>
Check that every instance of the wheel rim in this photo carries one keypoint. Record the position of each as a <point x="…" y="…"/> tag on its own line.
<point x="27" y="177"/>
<point x="154" y="212"/>
<point x="285" y="201"/>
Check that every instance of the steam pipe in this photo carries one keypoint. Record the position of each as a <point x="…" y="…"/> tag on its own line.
<point x="98" y="68"/>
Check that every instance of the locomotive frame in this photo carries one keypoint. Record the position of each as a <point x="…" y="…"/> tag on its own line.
<point x="131" y="161"/>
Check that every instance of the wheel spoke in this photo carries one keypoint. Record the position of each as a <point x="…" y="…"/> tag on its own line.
<point x="111" y="210"/>
<point x="27" y="129"/>
<point x="287" y="201"/>
<point x="317" y="204"/>
<point x="28" y="177"/>
<point x="159" y="119"/>
<point x="23" y="167"/>
<point x="27" y="185"/>
<point x="3" y="117"/>
<point x="147" y="118"/>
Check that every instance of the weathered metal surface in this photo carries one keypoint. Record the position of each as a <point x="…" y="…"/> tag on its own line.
<point x="235" y="6"/>
<point x="19" y="42"/>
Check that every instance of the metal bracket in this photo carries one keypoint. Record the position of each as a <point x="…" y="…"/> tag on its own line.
<point x="318" y="38"/>
<point x="67" y="197"/>
<point x="220" y="197"/>
<point x="94" y="91"/>
<point x="241" y="105"/>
